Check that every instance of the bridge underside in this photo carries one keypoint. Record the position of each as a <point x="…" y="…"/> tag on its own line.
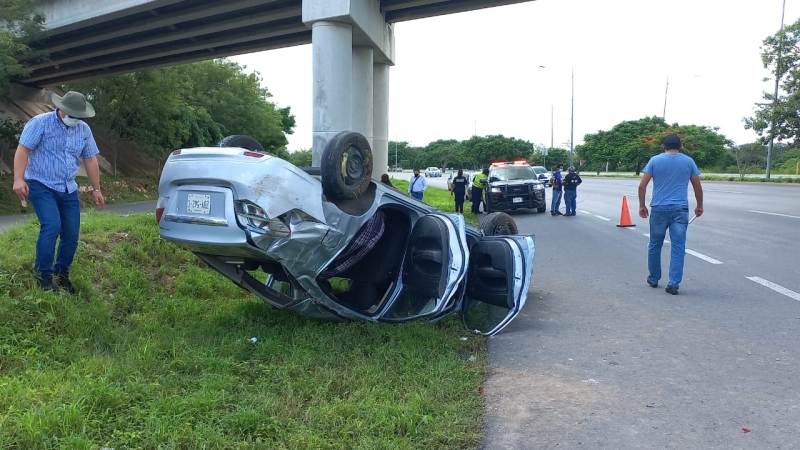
<point x="85" y="41"/>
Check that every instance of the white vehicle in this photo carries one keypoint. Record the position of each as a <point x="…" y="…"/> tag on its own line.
<point x="433" y="172"/>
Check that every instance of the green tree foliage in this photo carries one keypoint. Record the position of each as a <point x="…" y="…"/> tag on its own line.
<point x="783" y="109"/>
<point x="191" y="105"/>
<point x="749" y="157"/>
<point x="20" y="24"/>
<point x="301" y="158"/>
<point x="629" y="145"/>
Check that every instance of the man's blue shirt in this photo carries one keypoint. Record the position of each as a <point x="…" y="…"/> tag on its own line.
<point x="417" y="184"/>
<point x="671" y="174"/>
<point x="55" y="150"/>
<point x="558" y="180"/>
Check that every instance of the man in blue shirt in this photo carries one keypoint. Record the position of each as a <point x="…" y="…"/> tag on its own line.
<point x="45" y="166"/>
<point x="417" y="185"/>
<point x="671" y="171"/>
<point x="555" y="204"/>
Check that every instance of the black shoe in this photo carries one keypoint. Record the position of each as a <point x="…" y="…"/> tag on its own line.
<point x="66" y="285"/>
<point x="672" y="290"/>
<point x="652" y="285"/>
<point x="559" y="213"/>
<point x="46" y="284"/>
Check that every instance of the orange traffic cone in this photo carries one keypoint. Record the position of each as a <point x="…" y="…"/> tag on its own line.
<point x="625" y="216"/>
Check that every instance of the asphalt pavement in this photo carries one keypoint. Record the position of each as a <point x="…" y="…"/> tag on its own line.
<point x="598" y="359"/>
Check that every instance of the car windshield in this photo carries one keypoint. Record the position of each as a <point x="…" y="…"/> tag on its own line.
<point x="539" y="170"/>
<point x="514" y="173"/>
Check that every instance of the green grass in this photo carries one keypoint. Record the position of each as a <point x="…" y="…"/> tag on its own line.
<point x="155" y="352"/>
<point x="115" y="190"/>
<point x="441" y="199"/>
<point x="705" y="176"/>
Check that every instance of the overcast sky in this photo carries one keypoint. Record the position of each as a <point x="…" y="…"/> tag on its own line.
<point x="478" y="72"/>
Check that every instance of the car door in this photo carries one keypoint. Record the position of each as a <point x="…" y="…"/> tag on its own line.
<point x="433" y="267"/>
<point x="498" y="280"/>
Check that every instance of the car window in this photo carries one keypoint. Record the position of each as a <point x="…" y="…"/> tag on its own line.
<point x="539" y="170"/>
<point x="514" y="173"/>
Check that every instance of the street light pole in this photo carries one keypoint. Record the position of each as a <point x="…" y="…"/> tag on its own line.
<point x="775" y="99"/>
<point x="551" y="126"/>
<point x="572" y="120"/>
<point x="664" y="115"/>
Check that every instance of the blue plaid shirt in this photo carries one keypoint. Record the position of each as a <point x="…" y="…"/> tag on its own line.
<point x="55" y="149"/>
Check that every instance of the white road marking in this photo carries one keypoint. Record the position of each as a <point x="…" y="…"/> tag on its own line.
<point x="584" y="211"/>
<point x="602" y="218"/>
<point x="774" y="214"/>
<point x="666" y="241"/>
<point x="703" y="257"/>
<point x="722" y="190"/>
<point x="775" y="287"/>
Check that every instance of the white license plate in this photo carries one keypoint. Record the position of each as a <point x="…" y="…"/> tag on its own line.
<point x="198" y="204"/>
<point x="517" y="200"/>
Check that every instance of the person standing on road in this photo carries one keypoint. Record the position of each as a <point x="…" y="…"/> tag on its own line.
<point x="417" y="185"/>
<point x="557" y="183"/>
<point x="45" y="166"/>
<point x="479" y="181"/>
<point x="671" y="171"/>
<point x="571" y="183"/>
<point x="459" y="190"/>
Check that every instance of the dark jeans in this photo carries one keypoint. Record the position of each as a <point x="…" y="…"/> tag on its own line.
<point x="459" y="201"/>
<point x="477" y="197"/>
<point x="569" y="201"/>
<point x="59" y="214"/>
<point x="417" y="195"/>
<point x="555" y="204"/>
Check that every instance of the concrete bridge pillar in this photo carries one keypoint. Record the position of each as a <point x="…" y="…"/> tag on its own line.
<point x="353" y="47"/>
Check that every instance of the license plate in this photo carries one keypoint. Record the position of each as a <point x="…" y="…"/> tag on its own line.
<point x="517" y="200"/>
<point x="198" y="204"/>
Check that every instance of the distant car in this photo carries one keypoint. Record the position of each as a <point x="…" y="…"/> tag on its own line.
<point x="514" y="185"/>
<point x="433" y="172"/>
<point x="396" y="169"/>
<point x="543" y="174"/>
<point x="331" y="243"/>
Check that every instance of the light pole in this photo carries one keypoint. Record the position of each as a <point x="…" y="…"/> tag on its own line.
<point x="571" y="119"/>
<point x="666" y="91"/>
<point x="775" y="98"/>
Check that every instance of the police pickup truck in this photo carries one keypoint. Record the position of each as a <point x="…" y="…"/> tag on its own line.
<point x="514" y="185"/>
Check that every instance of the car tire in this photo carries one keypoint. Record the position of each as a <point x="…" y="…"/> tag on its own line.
<point x="346" y="168"/>
<point x="498" y="224"/>
<point x="242" y="141"/>
<point x="541" y="209"/>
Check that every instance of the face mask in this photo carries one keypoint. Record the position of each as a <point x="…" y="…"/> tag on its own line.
<point x="70" y="121"/>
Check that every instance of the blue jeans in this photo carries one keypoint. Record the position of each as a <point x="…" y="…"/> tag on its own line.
<point x="675" y="219"/>
<point x="417" y="195"/>
<point x="59" y="216"/>
<point x="555" y="204"/>
<point x="569" y="201"/>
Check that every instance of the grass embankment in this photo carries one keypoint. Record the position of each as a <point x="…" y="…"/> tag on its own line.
<point x="115" y="190"/>
<point x="155" y="352"/>
<point x="441" y="199"/>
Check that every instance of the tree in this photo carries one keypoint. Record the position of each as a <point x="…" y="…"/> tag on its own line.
<point x="781" y="112"/>
<point x="301" y="158"/>
<point x="20" y="24"/>
<point x="191" y="105"/>
<point x="748" y="157"/>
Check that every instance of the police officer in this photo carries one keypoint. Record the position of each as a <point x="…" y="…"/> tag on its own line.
<point x="459" y="190"/>
<point x="478" y="183"/>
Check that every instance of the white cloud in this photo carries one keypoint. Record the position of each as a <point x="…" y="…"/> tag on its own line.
<point x="479" y="71"/>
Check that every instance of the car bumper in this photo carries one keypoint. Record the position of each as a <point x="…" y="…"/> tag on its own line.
<point x="501" y="202"/>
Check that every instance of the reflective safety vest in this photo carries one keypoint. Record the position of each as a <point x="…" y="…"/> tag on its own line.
<point x="476" y="182"/>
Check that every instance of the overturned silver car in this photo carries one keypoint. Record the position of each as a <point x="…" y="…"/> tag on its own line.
<point x="330" y="243"/>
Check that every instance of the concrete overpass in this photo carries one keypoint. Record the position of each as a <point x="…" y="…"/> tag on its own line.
<point x="353" y="46"/>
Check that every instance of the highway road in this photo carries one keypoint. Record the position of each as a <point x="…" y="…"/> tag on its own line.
<point x="598" y="359"/>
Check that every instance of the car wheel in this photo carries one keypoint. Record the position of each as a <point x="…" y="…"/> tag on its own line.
<point x="498" y="224"/>
<point x="541" y="209"/>
<point x="346" y="167"/>
<point x="242" y="141"/>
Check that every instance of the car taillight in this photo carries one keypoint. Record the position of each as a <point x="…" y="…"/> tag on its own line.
<point x="253" y="154"/>
<point x="160" y="206"/>
<point x="254" y="216"/>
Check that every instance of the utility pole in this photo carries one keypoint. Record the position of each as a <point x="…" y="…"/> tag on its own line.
<point x="551" y="126"/>
<point x="572" y="120"/>
<point x="664" y="115"/>
<point x="778" y="75"/>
